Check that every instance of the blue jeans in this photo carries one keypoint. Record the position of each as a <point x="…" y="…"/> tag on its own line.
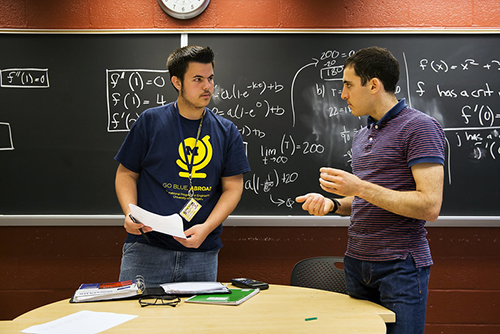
<point x="397" y="285"/>
<point x="159" y="265"/>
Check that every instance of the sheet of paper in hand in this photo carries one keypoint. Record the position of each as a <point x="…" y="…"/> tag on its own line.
<point x="171" y="225"/>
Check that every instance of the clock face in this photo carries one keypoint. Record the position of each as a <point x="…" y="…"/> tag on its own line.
<point x="183" y="9"/>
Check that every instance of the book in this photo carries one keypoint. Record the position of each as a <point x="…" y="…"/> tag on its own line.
<point x="236" y="297"/>
<point x="94" y="292"/>
<point x="194" y="288"/>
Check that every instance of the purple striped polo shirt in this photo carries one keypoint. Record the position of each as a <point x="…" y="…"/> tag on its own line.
<point x="383" y="153"/>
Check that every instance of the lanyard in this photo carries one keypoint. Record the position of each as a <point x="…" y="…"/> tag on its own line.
<point x="189" y="163"/>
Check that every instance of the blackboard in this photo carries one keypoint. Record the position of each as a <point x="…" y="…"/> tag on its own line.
<point x="282" y="90"/>
<point x="67" y="100"/>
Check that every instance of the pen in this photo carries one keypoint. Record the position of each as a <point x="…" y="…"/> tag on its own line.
<point x="142" y="232"/>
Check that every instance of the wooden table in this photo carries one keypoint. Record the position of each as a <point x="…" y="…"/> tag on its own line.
<point x="280" y="309"/>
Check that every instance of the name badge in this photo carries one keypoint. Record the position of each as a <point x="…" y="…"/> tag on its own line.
<point x="190" y="209"/>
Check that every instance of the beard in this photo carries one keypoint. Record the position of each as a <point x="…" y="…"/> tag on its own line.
<point x="192" y="103"/>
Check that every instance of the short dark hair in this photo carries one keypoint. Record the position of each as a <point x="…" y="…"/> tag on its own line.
<point x="375" y="62"/>
<point x="178" y="61"/>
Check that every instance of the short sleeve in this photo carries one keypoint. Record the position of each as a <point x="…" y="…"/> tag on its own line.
<point x="425" y="141"/>
<point x="236" y="158"/>
<point x="134" y="147"/>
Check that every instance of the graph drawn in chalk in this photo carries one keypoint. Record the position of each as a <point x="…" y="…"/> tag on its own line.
<point x="6" y="142"/>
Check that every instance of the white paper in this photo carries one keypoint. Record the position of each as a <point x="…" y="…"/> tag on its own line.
<point x="195" y="287"/>
<point x="171" y="225"/>
<point x="83" y="322"/>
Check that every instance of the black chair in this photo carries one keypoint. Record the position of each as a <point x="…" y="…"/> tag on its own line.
<point x="320" y="273"/>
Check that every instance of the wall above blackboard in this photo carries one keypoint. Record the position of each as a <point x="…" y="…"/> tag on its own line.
<point x="68" y="100"/>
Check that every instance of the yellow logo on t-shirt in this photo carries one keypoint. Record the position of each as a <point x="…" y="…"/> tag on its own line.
<point x="200" y="156"/>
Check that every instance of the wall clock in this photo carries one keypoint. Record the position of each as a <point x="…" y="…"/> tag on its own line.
<point x="183" y="9"/>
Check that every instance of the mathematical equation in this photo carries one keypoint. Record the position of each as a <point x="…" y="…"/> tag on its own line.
<point x="274" y="118"/>
<point x="25" y="78"/>
<point x="285" y="122"/>
<point x="129" y="92"/>
<point x="487" y="71"/>
<point x="259" y="108"/>
<point x="440" y="65"/>
<point x="482" y="144"/>
<point x="256" y="184"/>
<point x="479" y="113"/>
<point x="482" y="115"/>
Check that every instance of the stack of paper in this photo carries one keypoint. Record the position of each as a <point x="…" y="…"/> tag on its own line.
<point x="194" y="288"/>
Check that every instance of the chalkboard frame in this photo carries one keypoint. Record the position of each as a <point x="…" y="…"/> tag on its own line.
<point x="236" y="221"/>
<point x="242" y="220"/>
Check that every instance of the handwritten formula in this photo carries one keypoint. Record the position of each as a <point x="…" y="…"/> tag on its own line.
<point x="25" y="78"/>
<point x="475" y="105"/>
<point x="69" y="99"/>
<point x="285" y="121"/>
<point x="129" y="92"/>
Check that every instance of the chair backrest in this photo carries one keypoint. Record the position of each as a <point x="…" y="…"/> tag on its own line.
<point x="319" y="273"/>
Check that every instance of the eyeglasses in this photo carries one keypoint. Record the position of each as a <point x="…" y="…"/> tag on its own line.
<point x="160" y="300"/>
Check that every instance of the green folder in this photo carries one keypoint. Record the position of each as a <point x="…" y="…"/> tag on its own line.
<point x="236" y="297"/>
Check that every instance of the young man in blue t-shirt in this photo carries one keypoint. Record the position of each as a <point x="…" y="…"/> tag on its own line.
<point x="396" y="186"/>
<point x="176" y="156"/>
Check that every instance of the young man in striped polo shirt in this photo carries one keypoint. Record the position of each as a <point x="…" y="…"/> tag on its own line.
<point x="395" y="187"/>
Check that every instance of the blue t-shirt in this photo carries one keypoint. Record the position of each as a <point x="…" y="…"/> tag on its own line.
<point x="383" y="153"/>
<point x="154" y="148"/>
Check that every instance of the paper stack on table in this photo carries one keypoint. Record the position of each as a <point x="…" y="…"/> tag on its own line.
<point x="193" y="288"/>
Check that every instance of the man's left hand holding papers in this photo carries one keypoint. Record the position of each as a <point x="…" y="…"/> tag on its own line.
<point x="171" y="225"/>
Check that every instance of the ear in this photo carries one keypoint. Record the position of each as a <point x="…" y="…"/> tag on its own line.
<point x="176" y="82"/>
<point x="375" y="85"/>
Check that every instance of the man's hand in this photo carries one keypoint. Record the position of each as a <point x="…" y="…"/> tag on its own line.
<point x="133" y="228"/>
<point x="195" y="236"/>
<point x="315" y="204"/>
<point x="339" y="182"/>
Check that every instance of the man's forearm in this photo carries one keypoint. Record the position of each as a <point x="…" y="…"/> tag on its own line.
<point x="126" y="188"/>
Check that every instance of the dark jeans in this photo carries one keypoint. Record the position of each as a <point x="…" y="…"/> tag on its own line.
<point x="397" y="285"/>
<point x="158" y="265"/>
